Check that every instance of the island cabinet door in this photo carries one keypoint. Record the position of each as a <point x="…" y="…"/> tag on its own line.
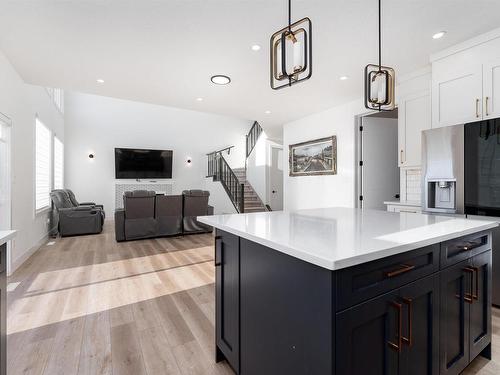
<point x="227" y="262"/>
<point x="454" y="318"/>
<point x="420" y="353"/>
<point x="480" y="309"/>
<point x="369" y="337"/>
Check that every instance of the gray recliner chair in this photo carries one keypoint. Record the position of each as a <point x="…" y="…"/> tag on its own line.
<point x="169" y="214"/>
<point x="76" y="220"/>
<point x="75" y="203"/>
<point x="137" y="217"/>
<point x="196" y="204"/>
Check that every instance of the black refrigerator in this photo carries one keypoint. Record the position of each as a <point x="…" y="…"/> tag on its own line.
<point x="482" y="183"/>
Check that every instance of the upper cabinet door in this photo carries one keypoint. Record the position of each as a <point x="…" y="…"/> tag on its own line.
<point x="414" y="117"/>
<point x="457" y="96"/>
<point x="491" y="85"/>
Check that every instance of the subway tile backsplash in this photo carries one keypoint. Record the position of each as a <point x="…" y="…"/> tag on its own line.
<point x="412" y="185"/>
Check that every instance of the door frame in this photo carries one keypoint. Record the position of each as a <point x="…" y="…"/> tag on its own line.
<point x="6" y="120"/>
<point x="268" y="175"/>
<point x="358" y="155"/>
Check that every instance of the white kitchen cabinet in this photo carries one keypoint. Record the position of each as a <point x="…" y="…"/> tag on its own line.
<point x="491" y="89"/>
<point x="414" y="116"/>
<point x="457" y="95"/>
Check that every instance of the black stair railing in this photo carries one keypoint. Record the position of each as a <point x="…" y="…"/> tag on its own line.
<point x="253" y="136"/>
<point x="219" y="170"/>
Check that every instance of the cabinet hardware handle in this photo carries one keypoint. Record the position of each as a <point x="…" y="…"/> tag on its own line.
<point x="404" y="268"/>
<point x="471" y="245"/>
<point x="218" y="248"/>
<point x="486" y="105"/>
<point x="401" y="153"/>
<point x="476" y="293"/>
<point x="409" y="340"/>
<point x="469" y="297"/>
<point x="477" y="108"/>
<point x="398" y="346"/>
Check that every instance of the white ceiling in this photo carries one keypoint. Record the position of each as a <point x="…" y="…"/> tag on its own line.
<point x="164" y="52"/>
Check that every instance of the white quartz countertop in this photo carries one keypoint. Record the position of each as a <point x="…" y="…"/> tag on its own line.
<point x="6" y="235"/>
<point x="336" y="237"/>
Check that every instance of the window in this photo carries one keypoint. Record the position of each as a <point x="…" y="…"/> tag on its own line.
<point x="57" y="96"/>
<point x="42" y="165"/>
<point x="58" y="164"/>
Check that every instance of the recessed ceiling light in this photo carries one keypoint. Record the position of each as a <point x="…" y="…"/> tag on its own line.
<point x="439" y="35"/>
<point x="255" y="47"/>
<point x="267" y="112"/>
<point x="343" y="78"/>
<point x="100" y="80"/>
<point x="199" y="99"/>
<point x="220" y="79"/>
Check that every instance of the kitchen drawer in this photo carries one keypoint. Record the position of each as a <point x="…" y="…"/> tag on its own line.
<point x="360" y="283"/>
<point x="459" y="249"/>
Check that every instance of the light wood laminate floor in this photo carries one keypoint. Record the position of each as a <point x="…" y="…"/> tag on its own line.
<point x="89" y="305"/>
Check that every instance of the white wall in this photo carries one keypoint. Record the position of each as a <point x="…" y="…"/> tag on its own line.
<point x="21" y="103"/>
<point x="258" y="166"/>
<point x="99" y="124"/>
<point x="323" y="191"/>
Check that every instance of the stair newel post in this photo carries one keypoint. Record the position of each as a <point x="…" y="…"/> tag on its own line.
<point x="242" y="198"/>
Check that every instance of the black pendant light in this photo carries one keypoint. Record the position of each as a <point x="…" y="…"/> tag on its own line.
<point x="379" y="80"/>
<point x="291" y="53"/>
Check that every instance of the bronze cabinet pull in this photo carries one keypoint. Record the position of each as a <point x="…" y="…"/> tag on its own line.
<point x="401" y="156"/>
<point x="409" y="340"/>
<point x="486" y="105"/>
<point x="404" y="268"/>
<point x="477" y="108"/>
<point x="398" y="346"/>
<point x="476" y="293"/>
<point x="469" y="296"/>
<point x="218" y="249"/>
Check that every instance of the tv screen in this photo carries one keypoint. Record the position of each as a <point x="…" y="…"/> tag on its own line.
<point x="137" y="163"/>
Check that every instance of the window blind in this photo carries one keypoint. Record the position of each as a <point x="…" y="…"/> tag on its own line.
<point x="58" y="164"/>
<point x="42" y="173"/>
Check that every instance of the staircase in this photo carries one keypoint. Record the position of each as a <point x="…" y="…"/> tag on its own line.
<point x="234" y="181"/>
<point x="251" y="201"/>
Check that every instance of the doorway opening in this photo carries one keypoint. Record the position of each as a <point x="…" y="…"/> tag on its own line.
<point x="377" y="159"/>
<point x="275" y="178"/>
<point x="5" y="180"/>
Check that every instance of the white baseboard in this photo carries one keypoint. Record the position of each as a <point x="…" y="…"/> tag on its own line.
<point x="16" y="263"/>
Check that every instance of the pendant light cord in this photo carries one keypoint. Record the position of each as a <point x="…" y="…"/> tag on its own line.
<point x="379" y="35"/>
<point x="289" y="15"/>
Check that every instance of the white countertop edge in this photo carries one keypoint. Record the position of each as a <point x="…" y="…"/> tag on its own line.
<point x="399" y="203"/>
<point x="352" y="261"/>
<point x="6" y="235"/>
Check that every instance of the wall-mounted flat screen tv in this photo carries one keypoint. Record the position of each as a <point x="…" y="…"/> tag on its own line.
<point x="139" y="163"/>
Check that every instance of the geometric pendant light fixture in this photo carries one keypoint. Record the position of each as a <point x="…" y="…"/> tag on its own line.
<point x="380" y="81"/>
<point x="291" y="53"/>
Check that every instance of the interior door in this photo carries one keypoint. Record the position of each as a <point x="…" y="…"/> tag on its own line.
<point x="368" y="337"/>
<point x="457" y="96"/>
<point x="276" y="179"/>
<point x="380" y="172"/>
<point x="491" y="87"/>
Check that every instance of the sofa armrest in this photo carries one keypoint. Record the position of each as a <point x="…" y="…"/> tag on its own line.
<point x="210" y="210"/>
<point x="79" y="220"/>
<point x="87" y="204"/>
<point x="120" y="225"/>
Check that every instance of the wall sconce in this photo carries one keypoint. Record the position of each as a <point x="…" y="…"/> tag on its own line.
<point x="291" y="53"/>
<point x="91" y="155"/>
<point x="188" y="161"/>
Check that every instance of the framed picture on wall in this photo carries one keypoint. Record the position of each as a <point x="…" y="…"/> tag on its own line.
<point x="312" y="158"/>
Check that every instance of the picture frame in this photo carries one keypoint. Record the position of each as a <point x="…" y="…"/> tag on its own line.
<point x="313" y="158"/>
